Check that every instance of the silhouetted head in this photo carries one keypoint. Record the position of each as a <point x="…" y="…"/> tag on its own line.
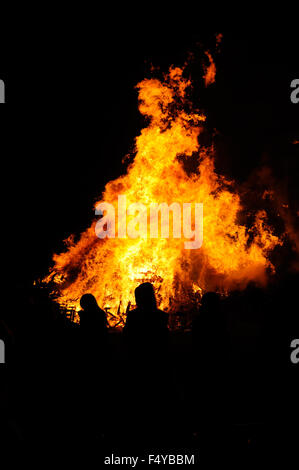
<point x="145" y="296"/>
<point x="92" y="318"/>
<point x="88" y="302"/>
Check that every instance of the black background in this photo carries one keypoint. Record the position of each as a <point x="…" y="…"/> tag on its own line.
<point x="71" y="116"/>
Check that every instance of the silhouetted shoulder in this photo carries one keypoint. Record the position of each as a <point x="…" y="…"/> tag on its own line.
<point x="131" y="315"/>
<point x="164" y="317"/>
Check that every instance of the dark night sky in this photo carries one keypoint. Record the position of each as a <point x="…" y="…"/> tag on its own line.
<point x="72" y="116"/>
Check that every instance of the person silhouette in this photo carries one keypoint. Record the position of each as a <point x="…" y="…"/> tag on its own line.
<point x="145" y="335"/>
<point x="92" y="318"/>
<point x="146" y="326"/>
<point x="92" y="367"/>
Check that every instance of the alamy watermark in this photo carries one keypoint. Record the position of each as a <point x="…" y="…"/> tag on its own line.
<point x="295" y="353"/>
<point x="2" y="352"/>
<point x="295" y="93"/>
<point x="140" y="221"/>
<point x="2" y="92"/>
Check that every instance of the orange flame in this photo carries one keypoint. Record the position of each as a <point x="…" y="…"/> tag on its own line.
<point x="219" y="38"/>
<point x="210" y="70"/>
<point x="231" y="255"/>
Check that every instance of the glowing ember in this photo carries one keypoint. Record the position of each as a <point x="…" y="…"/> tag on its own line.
<point x="231" y="254"/>
<point x="210" y="73"/>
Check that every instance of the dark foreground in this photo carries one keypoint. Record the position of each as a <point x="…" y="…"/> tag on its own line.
<point x="234" y="402"/>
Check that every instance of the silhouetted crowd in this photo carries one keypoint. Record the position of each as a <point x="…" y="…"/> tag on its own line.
<point x="212" y="388"/>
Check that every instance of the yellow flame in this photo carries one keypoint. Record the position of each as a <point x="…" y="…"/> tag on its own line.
<point x="231" y="255"/>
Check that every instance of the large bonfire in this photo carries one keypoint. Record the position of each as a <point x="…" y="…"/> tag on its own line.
<point x="231" y="255"/>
